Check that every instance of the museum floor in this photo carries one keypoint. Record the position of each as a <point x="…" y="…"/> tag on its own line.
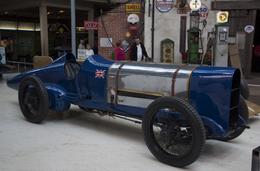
<point x="77" y="140"/>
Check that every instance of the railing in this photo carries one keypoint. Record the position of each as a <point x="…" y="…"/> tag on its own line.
<point x="18" y="64"/>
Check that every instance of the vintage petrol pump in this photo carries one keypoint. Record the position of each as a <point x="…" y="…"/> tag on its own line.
<point x="193" y="38"/>
<point x="220" y="55"/>
<point x="132" y="19"/>
<point x="167" y="51"/>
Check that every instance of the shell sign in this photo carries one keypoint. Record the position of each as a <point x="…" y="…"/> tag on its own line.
<point x="133" y="8"/>
<point x="133" y="18"/>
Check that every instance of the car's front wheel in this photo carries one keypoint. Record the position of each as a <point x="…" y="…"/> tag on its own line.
<point x="33" y="99"/>
<point x="173" y="131"/>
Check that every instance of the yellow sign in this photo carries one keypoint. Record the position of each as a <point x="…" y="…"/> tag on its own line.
<point x="222" y="17"/>
<point x="133" y="8"/>
<point x="128" y="34"/>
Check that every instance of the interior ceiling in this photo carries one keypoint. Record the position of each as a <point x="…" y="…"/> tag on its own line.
<point x="54" y="13"/>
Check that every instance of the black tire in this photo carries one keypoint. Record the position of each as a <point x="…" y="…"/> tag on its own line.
<point x="86" y="109"/>
<point x="33" y="99"/>
<point x="243" y="112"/>
<point x="244" y="90"/>
<point x="177" y="141"/>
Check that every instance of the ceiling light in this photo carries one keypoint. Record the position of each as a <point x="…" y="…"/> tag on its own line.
<point x="61" y="11"/>
<point x="6" y="12"/>
<point x="48" y="12"/>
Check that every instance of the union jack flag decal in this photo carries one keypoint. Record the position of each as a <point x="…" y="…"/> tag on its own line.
<point x="100" y="73"/>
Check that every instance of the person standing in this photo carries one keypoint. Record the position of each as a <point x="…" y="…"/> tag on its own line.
<point x="89" y="51"/>
<point x="138" y="50"/>
<point x="81" y="45"/>
<point x="255" y="66"/>
<point x="119" y="51"/>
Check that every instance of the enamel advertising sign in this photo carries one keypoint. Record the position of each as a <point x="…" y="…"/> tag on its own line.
<point x="90" y="25"/>
<point x="164" y="5"/>
<point x="204" y="12"/>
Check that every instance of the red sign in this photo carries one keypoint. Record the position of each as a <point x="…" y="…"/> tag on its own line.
<point x="133" y="28"/>
<point x="90" y="25"/>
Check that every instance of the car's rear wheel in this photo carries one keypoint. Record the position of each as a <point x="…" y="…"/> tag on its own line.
<point x="243" y="112"/>
<point x="173" y="131"/>
<point x="33" y="99"/>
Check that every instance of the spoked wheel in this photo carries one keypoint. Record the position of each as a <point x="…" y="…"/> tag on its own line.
<point x="33" y="99"/>
<point x="173" y="131"/>
<point x="243" y="112"/>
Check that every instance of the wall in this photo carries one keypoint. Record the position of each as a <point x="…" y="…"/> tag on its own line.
<point x="116" y="25"/>
<point x="167" y="25"/>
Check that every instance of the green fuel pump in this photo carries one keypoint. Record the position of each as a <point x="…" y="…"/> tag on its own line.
<point x="193" y="38"/>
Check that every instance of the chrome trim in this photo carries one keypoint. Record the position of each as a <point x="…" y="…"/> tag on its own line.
<point x="188" y="85"/>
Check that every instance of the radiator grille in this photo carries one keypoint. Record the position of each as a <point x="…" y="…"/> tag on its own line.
<point x="234" y="101"/>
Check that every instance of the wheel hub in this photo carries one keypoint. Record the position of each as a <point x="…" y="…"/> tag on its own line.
<point x="165" y="134"/>
<point x="34" y="100"/>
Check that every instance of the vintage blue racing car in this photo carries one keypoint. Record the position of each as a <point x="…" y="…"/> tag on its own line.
<point x="179" y="105"/>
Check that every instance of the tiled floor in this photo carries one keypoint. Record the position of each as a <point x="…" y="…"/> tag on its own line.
<point x="77" y="140"/>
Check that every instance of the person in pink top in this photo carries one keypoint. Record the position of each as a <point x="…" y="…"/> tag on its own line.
<point x="255" y="66"/>
<point x="119" y="51"/>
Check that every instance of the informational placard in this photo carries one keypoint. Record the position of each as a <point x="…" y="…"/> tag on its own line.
<point x="81" y="53"/>
<point x="104" y="42"/>
<point x="90" y="25"/>
<point x="164" y="5"/>
<point x="204" y="12"/>
<point x="133" y="8"/>
<point x="2" y="55"/>
<point x="125" y="45"/>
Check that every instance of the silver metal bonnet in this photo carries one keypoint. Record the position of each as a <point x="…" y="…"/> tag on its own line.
<point x="145" y="78"/>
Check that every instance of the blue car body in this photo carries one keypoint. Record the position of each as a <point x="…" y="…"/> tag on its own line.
<point x="211" y="90"/>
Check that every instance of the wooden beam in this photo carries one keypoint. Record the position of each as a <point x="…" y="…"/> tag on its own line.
<point x="232" y="5"/>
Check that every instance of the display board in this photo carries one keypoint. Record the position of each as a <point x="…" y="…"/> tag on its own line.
<point x="81" y="53"/>
<point x="2" y="55"/>
<point x="104" y="42"/>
